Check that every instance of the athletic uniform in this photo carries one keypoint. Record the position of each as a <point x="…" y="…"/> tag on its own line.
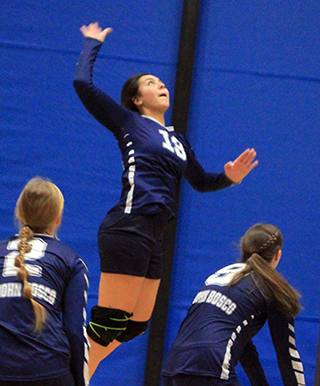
<point x="218" y="330"/>
<point x="154" y="159"/>
<point x="59" y="282"/>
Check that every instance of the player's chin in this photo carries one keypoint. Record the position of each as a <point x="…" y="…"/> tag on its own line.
<point x="166" y="104"/>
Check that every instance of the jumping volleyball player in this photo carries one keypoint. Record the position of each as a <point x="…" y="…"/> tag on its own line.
<point x="155" y="157"/>
<point x="230" y="309"/>
<point x="41" y="281"/>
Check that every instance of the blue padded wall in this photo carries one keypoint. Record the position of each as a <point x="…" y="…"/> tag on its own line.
<point x="46" y="131"/>
<point x="256" y="84"/>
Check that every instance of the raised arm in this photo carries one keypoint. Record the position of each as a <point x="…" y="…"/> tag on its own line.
<point x="234" y="172"/>
<point x="241" y="166"/>
<point x="94" y="31"/>
<point x="198" y="178"/>
<point x="100" y="105"/>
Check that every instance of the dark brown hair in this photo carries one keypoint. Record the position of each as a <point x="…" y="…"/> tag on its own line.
<point x="129" y="91"/>
<point x="259" y="245"/>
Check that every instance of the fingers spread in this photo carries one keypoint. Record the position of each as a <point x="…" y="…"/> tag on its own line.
<point x="253" y="165"/>
<point x="106" y="31"/>
<point x="247" y="157"/>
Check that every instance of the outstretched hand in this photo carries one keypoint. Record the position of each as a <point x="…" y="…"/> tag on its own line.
<point x="94" y="31"/>
<point x="240" y="167"/>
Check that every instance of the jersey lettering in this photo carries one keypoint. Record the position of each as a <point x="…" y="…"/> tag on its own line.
<point x="216" y="299"/>
<point x="175" y="146"/>
<point x="38" y="249"/>
<point x="42" y="292"/>
<point x="10" y="290"/>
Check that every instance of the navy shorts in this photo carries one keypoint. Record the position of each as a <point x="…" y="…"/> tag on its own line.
<point x="131" y="244"/>
<point x="196" y="380"/>
<point x="65" y="380"/>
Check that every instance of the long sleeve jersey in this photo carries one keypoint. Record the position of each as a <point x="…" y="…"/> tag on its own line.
<point x="59" y="282"/>
<point x="218" y="330"/>
<point x="154" y="156"/>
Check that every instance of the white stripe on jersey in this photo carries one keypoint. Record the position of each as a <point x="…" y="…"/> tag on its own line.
<point x="86" y="359"/>
<point x="226" y="361"/>
<point x="295" y="360"/>
<point x="294" y="353"/>
<point x="300" y="379"/>
<point x="227" y="356"/>
<point x="86" y="343"/>
<point x="297" y="365"/>
<point x="131" y="174"/>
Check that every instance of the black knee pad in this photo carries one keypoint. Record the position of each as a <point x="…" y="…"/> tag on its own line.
<point x="106" y="324"/>
<point x="133" y="329"/>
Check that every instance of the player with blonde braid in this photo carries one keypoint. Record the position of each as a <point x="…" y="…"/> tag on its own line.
<point x="43" y="294"/>
<point x="26" y="234"/>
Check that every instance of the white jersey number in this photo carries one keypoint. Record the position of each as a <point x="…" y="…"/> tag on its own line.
<point x="38" y="250"/>
<point x="173" y="144"/>
<point x="224" y="275"/>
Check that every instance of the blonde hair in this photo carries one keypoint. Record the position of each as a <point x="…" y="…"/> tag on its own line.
<point x="259" y="245"/>
<point x="39" y="205"/>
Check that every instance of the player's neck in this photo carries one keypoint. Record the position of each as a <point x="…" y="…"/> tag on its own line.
<point x="158" y="116"/>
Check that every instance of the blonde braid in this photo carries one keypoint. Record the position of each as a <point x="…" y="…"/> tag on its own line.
<point x="26" y="234"/>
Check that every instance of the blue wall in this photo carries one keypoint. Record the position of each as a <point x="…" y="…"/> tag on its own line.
<point x="256" y="84"/>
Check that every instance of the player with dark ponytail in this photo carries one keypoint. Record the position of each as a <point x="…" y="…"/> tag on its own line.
<point x="154" y="158"/>
<point x="260" y="245"/>
<point x="230" y="309"/>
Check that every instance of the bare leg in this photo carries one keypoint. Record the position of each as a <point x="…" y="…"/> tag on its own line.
<point x="97" y="353"/>
<point x="119" y="291"/>
<point x="129" y="293"/>
<point x="146" y="301"/>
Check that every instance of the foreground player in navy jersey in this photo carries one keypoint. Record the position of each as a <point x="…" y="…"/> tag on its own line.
<point x="230" y="309"/>
<point x="155" y="157"/>
<point x="43" y="294"/>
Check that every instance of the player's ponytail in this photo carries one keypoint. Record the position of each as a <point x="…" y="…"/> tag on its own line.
<point x="259" y="245"/>
<point x="26" y="234"/>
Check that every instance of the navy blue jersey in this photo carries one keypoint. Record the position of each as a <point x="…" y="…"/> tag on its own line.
<point x="154" y="157"/>
<point x="59" y="282"/>
<point x="218" y="330"/>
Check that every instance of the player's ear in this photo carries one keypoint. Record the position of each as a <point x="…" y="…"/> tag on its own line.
<point x="58" y="220"/>
<point x="137" y="101"/>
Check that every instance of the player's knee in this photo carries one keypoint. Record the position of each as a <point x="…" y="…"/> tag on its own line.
<point x="133" y="330"/>
<point x="106" y="324"/>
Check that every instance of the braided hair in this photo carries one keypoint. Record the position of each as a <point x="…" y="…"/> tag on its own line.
<point x="26" y="234"/>
<point x="259" y="245"/>
<point x="39" y="205"/>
